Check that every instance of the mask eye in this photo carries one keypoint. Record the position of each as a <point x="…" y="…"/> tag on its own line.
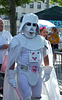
<point x="34" y="24"/>
<point x="29" y="24"/>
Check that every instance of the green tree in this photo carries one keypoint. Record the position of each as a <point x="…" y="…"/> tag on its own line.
<point x="56" y="1"/>
<point x="9" y="8"/>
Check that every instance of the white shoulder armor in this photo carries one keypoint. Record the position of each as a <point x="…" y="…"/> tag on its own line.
<point x="36" y="43"/>
<point x="14" y="42"/>
<point x="33" y="44"/>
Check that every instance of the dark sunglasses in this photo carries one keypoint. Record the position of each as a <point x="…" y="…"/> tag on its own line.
<point x="55" y="30"/>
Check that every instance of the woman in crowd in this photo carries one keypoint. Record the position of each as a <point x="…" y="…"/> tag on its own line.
<point x="54" y="40"/>
<point x="44" y="33"/>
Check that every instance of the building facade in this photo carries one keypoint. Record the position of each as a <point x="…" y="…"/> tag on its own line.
<point x="31" y="8"/>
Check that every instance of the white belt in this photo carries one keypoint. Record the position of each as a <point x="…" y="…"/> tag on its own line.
<point x="33" y="68"/>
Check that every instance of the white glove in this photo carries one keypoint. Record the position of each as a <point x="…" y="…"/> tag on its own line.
<point x="47" y="72"/>
<point x="11" y="78"/>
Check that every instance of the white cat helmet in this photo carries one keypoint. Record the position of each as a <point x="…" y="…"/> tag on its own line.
<point x="29" y="18"/>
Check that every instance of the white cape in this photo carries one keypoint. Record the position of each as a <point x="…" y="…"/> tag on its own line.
<point x="50" y="89"/>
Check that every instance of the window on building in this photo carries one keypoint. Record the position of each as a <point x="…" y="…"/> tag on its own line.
<point x="23" y="14"/>
<point x="39" y="5"/>
<point x="22" y="17"/>
<point x="31" y="4"/>
<point x="45" y="5"/>
<point x="24" y="5"/>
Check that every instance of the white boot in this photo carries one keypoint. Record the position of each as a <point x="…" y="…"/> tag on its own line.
<point x="11" y="77"/>
<point x="27" y="98"/>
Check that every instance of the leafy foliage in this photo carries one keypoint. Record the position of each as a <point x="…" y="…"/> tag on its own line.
<point x="5" y="5"/>
<point x="56" y="1"/>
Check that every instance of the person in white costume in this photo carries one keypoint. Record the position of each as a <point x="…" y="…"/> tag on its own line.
<point x="27" y="49"/>
<point x="5" y="38"/>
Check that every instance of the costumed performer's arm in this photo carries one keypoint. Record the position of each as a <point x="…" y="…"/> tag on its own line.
<point x="47" y="68"/>
<point x="13" y="52"/>
<point x="11" y="78"/>
<point x="14" y="47"/>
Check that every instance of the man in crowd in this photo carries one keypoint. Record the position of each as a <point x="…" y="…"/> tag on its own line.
<point x="5" y="38"/>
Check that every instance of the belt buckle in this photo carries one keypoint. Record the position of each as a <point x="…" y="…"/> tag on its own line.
<point x="34" y="68"/>
<point x="22" y="67"/>
<point x="25" y="68"/>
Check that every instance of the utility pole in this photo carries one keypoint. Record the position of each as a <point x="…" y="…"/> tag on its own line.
<point x="47" y="4"/>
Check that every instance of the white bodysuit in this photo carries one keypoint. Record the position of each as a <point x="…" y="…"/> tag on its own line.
<point x="29" y="66"/>
<point x="29" y="79"/>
